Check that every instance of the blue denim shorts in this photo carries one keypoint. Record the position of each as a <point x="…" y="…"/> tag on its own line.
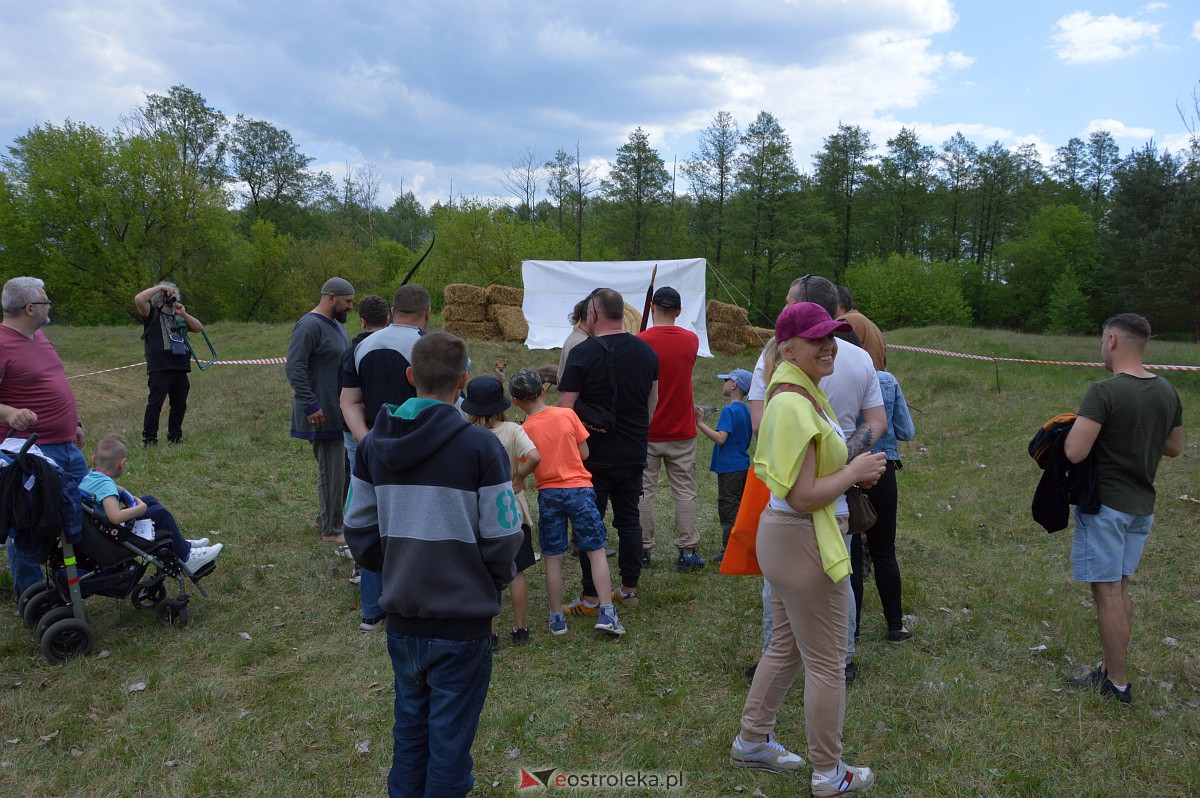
<point x="556" y="506"/>
<point x="1108" y="545"/>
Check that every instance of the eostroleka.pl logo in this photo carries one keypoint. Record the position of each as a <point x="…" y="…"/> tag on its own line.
<point x="554" y="778"/>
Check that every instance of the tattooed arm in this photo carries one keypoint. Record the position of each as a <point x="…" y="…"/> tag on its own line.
<point x="873" y="426"/>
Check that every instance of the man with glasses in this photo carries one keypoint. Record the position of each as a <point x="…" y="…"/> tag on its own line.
<point x="314" y="360"/>
<point x="168" y="360"/>
<point x="35" y="396"/>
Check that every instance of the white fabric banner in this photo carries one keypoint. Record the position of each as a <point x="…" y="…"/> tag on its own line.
<point x="552" y="287"/>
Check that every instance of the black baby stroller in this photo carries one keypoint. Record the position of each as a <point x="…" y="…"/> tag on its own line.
<point x="110" y="560"/>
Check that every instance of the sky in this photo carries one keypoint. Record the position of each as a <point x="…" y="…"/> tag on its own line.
<point x="444" y="97"/>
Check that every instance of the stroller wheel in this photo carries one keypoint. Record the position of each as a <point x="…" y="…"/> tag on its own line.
<point x="52" y="617"/>
<point x="29" y="593"/>
<point x="173" y="612"/>
<point x="148" y="595"/>
<point x="69" y="638"/>
<point x="39" y="605"/>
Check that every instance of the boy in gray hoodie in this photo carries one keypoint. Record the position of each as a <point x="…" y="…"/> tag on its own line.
<point x="431" y="507"/>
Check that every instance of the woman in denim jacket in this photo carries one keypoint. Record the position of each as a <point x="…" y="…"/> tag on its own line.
<point x="881" y="538"/>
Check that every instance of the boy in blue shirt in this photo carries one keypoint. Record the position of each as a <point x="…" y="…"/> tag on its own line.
<point x="101" y="482"/>
<point x="731" y="456"/>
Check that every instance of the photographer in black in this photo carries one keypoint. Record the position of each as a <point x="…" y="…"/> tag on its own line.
<point x="168" y="360"/>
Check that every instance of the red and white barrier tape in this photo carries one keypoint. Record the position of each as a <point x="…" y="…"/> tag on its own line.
<point x="262" y="361"/>
<point x="1025" y="360"/>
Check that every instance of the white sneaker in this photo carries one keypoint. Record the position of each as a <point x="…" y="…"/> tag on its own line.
<point x="768" y="755"/>
<point x="202" y="556"/>
<point x="200" y="542"/>
<point x="850" y="779"/>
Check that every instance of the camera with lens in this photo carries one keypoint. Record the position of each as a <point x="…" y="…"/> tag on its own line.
<point x="170" y="300"/>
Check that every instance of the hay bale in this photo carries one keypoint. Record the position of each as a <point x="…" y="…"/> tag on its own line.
<point x="505" y="295"/>
<point x="732" y="333"/>
<point x="726" y="346"/>
<point x="725" y="313"/>
<point x="633" y="319"/>
<point x="465" y="294"/>
<point x="465" y="312"/>
<point x="487" y="330"/>
<point x="758" y="336"/>
<point x="513" y="325"/>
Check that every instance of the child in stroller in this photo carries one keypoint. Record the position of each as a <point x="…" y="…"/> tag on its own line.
<point x="108" y="464"/>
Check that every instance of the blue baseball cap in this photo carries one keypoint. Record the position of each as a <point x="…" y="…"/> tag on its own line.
<point x="741" y="378"/>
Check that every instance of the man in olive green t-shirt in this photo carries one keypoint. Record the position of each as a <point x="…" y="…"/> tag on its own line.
<point x="1129" y="422"/>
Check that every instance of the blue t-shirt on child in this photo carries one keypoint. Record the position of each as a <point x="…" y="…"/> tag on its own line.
<point x="100" y="485"/>
<point x="733" y="455"/>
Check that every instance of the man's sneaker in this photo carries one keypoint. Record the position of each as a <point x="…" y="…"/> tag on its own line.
<point x="356" y="576"/>
<point x="558" y="625"/>
<point x="1109" y="690"/>
<point x="647" y="559"/>
<point x="372" y="624"/>
<point x="609" y="623"/>
<point x="851" y="672"/>
<point x="899" y="635"/>
<point x="769" y="755"/>
<point x="626" y="600"/>
<point x="1091" y="680"/>
<point x="202" y="555"/>
<point x="201" y="542"/>
<point x="577" y="609"/>
<point x="520" y="636"/>
<point x="851" y="780"/>
<point x="688" y="561"/>
<point x="343" y="551"/>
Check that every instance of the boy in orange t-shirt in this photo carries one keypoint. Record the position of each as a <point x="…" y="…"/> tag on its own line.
<point x="564" y="494"/>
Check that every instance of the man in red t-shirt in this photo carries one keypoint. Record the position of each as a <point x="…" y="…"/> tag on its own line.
<point x="672" y="438"/>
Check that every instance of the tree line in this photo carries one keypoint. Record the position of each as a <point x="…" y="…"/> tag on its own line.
<point x="230" y="209"/>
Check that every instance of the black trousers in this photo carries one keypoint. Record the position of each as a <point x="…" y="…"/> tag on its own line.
<point x="881" y="543"/>
<point x="164" y="384"/>
<point x="622" y="485"/>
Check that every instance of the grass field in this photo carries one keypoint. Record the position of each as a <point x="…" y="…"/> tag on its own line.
<point x="273" y="691"/>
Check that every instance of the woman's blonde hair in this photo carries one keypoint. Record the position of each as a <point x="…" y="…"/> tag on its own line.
<point x="772" y="354"/>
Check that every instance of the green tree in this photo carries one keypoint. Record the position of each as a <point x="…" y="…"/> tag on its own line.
<point x="1068" y="307"/>
<point x="274" y="172"/>
<point x="907" y="291"/>
<point x="558" y="184"/>
<point x="764" y="216"/>
<point x="841" y="169"/>
<point x="636" y="190"/>
<point x="1058" y="240"/>
<point x="901" y="185"/>
<point x="956" y="174"/>
<point x="710" y="172"/>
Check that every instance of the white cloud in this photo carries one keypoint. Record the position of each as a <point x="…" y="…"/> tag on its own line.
<point x="1082" y="38"/>
<point x="1196" y="30"/>
<point x="1120" y="130"/>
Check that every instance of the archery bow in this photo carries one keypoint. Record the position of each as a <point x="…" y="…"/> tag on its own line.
<point x="420" y="260"/>
<point x="649" y="300"/>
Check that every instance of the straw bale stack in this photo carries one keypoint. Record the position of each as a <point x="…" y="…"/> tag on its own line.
<point x="464" y="312"/>
<point x="727" y="338"/>
<point x="461" y="293"/>
<point x="757" y="337"/>
<point x="511" y="321"/>
<point x="505" y="295"/>
<point x="726" y="313"/>
<point x="473" y="329"/>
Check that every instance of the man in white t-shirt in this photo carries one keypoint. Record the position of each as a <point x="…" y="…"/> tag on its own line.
<point x="853" y="391"/>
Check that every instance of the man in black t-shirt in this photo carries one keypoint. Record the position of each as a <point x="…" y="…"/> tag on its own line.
<point x="168" y="360"/>
<point x="616" y="373"/>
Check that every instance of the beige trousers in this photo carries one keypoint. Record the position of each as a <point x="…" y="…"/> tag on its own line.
<point x="811" y="619"/>
<point x="680" y="460"/>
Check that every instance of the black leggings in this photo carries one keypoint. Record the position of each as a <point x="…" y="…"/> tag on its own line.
<point x="881" y="542"/>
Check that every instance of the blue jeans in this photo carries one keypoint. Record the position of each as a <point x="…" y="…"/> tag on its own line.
<point x="25" y="571"/>
<point x="370" y="583"/>
<point x="441" y="686"/>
